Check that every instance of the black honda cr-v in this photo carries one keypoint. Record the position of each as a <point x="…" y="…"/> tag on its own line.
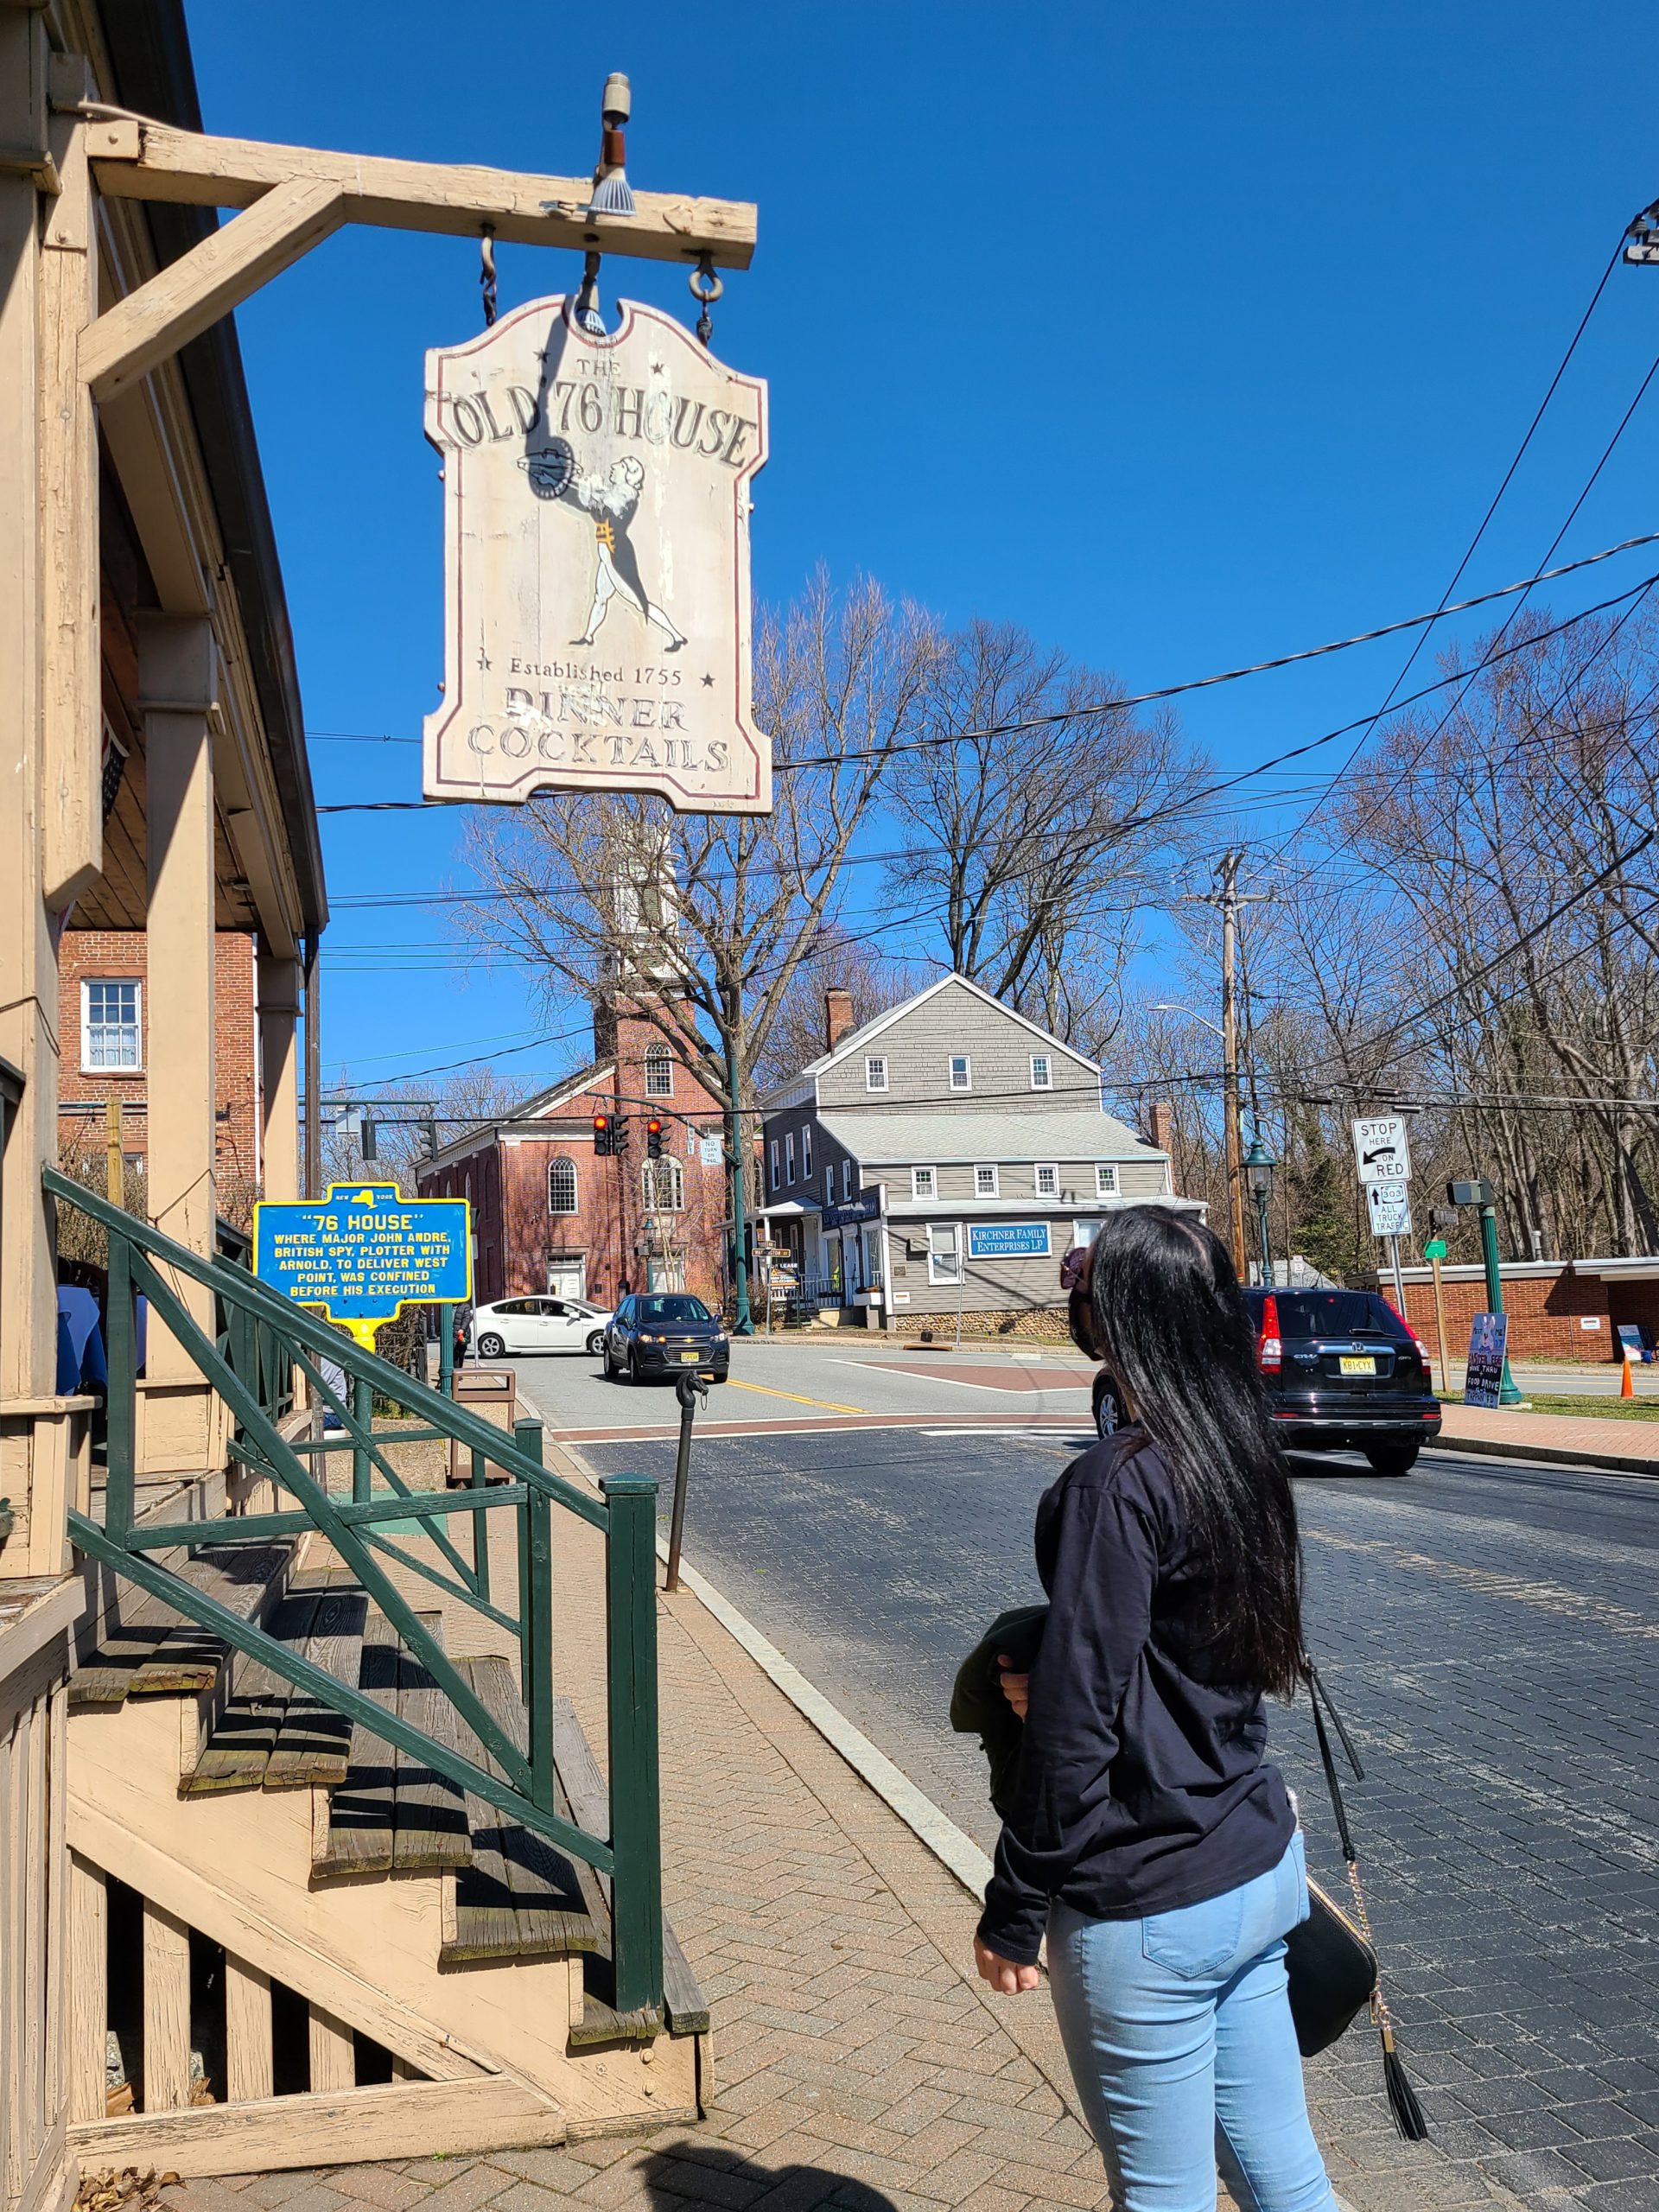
<point x="1344" y="1373"/>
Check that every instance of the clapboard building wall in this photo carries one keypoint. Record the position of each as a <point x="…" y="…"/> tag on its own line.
<point x="941" y="1158"/>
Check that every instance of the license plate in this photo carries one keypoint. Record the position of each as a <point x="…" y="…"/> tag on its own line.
<point x="1365" y="1365"/>
<point x="688" y="1359"/>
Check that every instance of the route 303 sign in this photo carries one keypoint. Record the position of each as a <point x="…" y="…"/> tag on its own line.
<point x="596" y="563"/>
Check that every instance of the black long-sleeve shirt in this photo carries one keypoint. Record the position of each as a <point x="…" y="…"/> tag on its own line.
<point x="1141" y="1784"/>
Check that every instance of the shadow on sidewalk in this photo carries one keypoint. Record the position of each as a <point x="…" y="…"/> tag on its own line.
<point x="736" y="2184"/>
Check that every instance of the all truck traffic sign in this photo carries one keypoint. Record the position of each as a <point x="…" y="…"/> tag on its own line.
<point x="1383" y="1157"/>
<point x="364" y="1253"/>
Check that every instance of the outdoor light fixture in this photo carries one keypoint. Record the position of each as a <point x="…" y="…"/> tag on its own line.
<point x="612" y="195"/>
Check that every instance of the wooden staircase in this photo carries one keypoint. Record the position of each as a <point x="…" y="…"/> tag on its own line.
<point x="343" y="1954"/>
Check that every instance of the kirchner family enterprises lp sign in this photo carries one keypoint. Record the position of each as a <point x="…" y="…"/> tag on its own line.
<point x="596" y="563"/>
<point x="365" y="1252"/>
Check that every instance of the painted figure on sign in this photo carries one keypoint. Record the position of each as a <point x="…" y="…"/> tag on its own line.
<point x="613" y="501"/>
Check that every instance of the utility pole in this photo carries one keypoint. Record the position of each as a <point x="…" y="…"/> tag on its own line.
<point x="1229" y="897"/>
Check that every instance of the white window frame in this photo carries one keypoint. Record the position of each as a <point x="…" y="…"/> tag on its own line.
<point x="846" y="1182"/>
<point x="659" y="1072"/>
<point x="1106" y="1179"/>
<point x="960" y="1089"/>
<point x="774" y="1164"/>
<point x="88" y="1066"/>
<point x="661" y="1185"/>
<point x="1052" y="1169"/>
<point x="789" y="1155"/>
<point x="563" y="1213"/>
<point x="875" y="1071"/>
<point x="1046" y="1062"/>
<point x="951" y="1274"/>
<point x="983" y="1168"/>
<point x="924" y="1182"/>
<point x="806" y="1154"/>
<point x="829" y="1184"/>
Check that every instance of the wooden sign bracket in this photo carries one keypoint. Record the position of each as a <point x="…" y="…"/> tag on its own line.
<point x="292" y="197"/>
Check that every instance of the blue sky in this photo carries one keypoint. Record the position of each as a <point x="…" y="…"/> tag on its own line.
<point x="1183" y="334"/>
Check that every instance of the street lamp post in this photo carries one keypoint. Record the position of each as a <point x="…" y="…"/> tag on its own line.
<point x="1259" y="1164"/>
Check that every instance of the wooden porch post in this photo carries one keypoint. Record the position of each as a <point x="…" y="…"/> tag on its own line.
<point x="279" y="1008"/>
<point x="178" y="679"/>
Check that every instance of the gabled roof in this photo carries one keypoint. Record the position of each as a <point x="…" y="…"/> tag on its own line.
<point x="856" y="1039"/>
<point x="540" y="1106"/>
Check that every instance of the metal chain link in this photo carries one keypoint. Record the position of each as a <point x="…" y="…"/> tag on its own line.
<point x="705" y="287"/>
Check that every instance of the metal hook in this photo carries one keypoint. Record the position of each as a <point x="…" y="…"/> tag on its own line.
<point x="487" y="274"/>
<point x="705" y="287"/>
<point x="589" y="315"/>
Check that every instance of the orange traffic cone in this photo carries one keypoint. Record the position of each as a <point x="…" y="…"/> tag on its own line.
<point x="1626" y="1386"/>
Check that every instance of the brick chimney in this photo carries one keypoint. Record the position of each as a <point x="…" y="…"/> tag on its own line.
<point x="1163" y="1128"/>
<point x="837" y="1016"/>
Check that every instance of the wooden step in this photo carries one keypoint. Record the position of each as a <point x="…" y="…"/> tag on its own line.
<point x="271" y="1735"/>
<point x="521" y="1897"/>
<point x="158" y="1651"/>
<point x="683" y="1999"/>
<point x="390" y="1810"/>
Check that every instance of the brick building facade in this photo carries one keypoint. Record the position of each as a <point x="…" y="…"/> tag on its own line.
<point x="551" y="1215"/>
<point x="103" y="1022"/>
<point x="1557" y="1309"/>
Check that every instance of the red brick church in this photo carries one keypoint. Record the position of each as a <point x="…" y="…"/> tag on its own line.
<point x="549" y="1215"/>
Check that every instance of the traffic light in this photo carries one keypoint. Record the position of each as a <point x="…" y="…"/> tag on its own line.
<point x="365" y="1141"/>
<point x="619" y="1134"/>
<point x="604" y="1138"/>
<point x="653" y="1139"/>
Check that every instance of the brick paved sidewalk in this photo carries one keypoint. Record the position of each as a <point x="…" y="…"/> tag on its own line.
<point x="1586" y="1440"/>
<point x="856" y="2063"/>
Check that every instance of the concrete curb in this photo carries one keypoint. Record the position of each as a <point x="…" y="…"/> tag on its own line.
<point x="1553" y="1455"/>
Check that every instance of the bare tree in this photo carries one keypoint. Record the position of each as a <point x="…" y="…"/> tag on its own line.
<point x="838" y="961"/>
<point x="700" y="922"/>
<point x="1032" y="842"/>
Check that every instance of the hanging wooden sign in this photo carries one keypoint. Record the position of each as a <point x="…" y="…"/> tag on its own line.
<point x="596" y="563"/>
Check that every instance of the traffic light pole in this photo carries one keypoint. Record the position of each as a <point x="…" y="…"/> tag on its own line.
<point x="742" y="1319"/>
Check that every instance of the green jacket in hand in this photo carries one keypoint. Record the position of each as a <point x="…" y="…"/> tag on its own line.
<point x="977" y="1704"/>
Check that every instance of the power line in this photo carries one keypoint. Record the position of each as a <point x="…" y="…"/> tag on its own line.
<point x="1469" y="550"/>
<point x="1060" y="715"/>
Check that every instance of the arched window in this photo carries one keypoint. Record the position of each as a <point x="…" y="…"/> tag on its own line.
<point x="662" y="1183"/>
<point x="560" y="1185"/>
<point x="659" y="1072"/>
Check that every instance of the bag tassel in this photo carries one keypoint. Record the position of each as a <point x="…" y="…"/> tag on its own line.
<point x="1402" y="2098"/>
<point x="1406" y="2113"/>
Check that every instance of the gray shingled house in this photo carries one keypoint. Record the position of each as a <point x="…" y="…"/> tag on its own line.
<point x="939" y="1160"/>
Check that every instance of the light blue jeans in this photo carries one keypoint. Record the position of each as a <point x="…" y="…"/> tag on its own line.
<point x="1179" y="2033"/>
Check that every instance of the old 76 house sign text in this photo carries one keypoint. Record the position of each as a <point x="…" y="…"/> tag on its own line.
<point x="596" y="563"/>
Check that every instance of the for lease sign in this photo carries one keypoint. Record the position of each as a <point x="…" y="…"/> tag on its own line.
<point x="365" y="1252"/>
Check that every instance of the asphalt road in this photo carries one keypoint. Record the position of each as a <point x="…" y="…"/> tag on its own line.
<point x="1490" y="1630"/>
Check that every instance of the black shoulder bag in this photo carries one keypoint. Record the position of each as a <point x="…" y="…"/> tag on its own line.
<point x="1330" y="1960"/>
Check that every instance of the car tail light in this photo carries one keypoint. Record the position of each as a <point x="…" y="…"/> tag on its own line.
<point x="1269" y="1350"/>
<point x="1422" y="1349"/>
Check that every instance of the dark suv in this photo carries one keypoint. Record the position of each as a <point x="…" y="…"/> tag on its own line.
<point x="1344" y="1373"/>
<point x="665" y="1333"/>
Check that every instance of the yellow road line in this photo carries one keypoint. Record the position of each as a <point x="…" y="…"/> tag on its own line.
<point x="825" y="1405"/>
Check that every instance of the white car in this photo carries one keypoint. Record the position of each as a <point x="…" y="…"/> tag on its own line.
<point x="535" y="1325"/>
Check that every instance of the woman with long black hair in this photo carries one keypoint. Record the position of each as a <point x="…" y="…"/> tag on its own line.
<point x="1150" y="1839"/>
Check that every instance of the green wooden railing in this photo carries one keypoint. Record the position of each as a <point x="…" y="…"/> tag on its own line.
<point x="260" y="1342"/>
